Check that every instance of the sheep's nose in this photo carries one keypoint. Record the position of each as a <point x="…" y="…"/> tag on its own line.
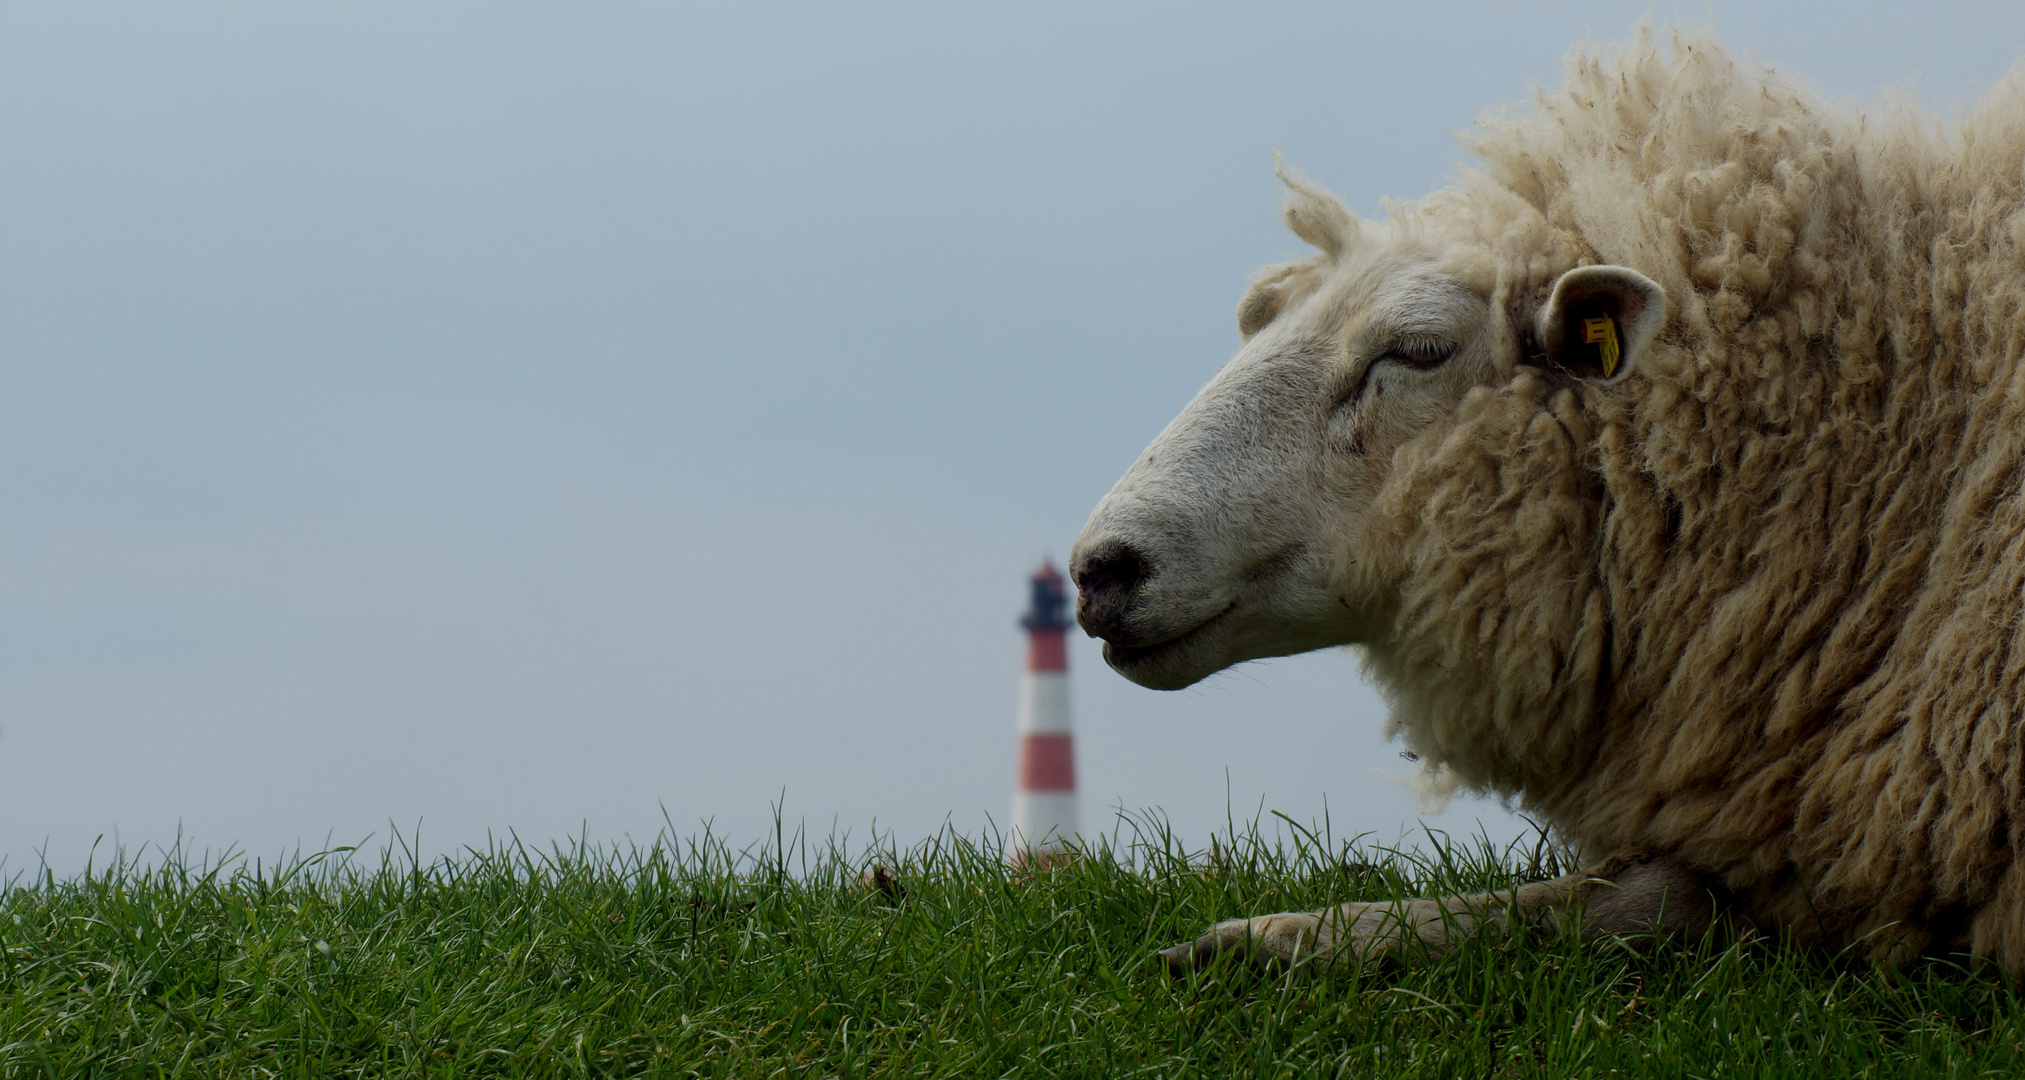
<point x="1105" y="579"/>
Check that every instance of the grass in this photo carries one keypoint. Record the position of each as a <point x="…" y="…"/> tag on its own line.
<point x="689" y="959"/>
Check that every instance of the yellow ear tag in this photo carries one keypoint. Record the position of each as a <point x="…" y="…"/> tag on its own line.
<point x="1601" y="331"/>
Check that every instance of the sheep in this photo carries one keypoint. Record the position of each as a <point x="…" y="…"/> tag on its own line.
<point x="1668" y="472"/>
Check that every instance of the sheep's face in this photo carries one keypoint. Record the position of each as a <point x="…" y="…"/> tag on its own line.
<point x="1226" y="540"/>
<point x="1246" y="529"/>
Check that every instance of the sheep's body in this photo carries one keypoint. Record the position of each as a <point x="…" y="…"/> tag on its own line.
<point x="1760" y="606"/>
<point x="1792" y="596"/>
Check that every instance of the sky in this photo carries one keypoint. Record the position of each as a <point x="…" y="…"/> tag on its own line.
<point x="588" y="420"/>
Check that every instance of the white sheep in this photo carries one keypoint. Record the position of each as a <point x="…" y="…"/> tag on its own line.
<point x="1669" y="470"/>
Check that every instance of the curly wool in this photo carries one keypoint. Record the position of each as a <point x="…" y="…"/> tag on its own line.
<point x="1758" y="605"/>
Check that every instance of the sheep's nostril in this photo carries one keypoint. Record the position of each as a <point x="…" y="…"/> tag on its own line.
<point x="1105" y="580"/>
<point x="1116" y="569"/>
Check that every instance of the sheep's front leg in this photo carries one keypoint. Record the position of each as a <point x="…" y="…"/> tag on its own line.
<point x="1357" y="932"/>
<point x="1627" y="894"/>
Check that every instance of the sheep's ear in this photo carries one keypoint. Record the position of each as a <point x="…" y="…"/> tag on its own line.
<point x="1313" y="214"/>
<point x="1263" y="301"/>
<point x="1600" y="320"/>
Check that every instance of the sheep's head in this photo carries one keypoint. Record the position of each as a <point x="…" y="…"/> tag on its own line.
<point x="1251" y="526"/>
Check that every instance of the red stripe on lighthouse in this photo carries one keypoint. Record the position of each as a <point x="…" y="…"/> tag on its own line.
<point x="1047" y="650"/>
<point x="1047" y="763"/>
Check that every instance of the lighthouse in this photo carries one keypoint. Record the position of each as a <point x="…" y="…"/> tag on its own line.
<point x="1044" y="790"/>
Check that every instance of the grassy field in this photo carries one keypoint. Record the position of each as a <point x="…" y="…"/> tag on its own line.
<point x="681" y="959"/>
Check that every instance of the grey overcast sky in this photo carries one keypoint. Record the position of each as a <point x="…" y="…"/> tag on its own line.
<point x="535" y="417"/>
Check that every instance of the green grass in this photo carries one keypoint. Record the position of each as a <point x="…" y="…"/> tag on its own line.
<point x="681" y="959"/>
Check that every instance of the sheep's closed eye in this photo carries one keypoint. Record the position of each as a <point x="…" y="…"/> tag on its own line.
<point x="1418" y="351"/>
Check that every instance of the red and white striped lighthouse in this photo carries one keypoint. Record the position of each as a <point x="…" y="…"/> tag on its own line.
<point x="1044" y="793"/>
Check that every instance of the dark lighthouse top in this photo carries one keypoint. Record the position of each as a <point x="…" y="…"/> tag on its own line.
<point x="1050" y="604"/>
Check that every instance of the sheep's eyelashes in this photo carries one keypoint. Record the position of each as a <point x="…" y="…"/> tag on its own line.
<point x="1421" y="352"/>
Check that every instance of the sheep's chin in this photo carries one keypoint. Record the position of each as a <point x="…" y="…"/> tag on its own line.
<point x="1241" y="632"/>
<point x="1180" y="661"/>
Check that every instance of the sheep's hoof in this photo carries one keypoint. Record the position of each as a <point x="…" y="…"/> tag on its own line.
<point x="1268" y="942"/>
<point x="1356" y="933"/>
<point x="1190" y="955"/>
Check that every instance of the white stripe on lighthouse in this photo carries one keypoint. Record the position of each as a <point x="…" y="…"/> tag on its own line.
<point x="1042" y="820"/>
<point x="1044" y="703"/>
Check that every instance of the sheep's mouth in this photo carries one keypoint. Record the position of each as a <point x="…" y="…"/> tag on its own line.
<point x="1166" y="664"/>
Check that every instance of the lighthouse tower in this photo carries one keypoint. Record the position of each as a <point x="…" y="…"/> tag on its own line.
<point x="1044" y="792"/>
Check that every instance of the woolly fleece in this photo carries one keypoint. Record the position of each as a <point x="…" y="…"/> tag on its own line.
<point x="1759" y="604"/>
